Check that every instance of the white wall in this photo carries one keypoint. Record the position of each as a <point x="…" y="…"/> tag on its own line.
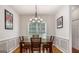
<point x="7" y="34"/>
<point x="63" y="34"/>
<point x="24" y="21"/>
<point x="8" y="38"/>
<point x="75" y="27"/>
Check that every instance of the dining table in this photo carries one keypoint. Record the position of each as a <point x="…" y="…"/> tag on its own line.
<point x="43" y="41"/>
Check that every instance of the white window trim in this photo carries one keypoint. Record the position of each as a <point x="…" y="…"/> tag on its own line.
<point x="43" y="35"/>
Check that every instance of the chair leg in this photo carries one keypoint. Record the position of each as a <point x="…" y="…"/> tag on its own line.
<point x="26" y="49"/>
<point x="32" y="50"/>
<point x="43" y="49"/>
<point x="39" y="50"/>
<point x="29" y="50"/>
<point x="46" y="49"/>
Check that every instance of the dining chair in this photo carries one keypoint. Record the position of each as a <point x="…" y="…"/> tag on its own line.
<point x="48" y="46"/>
<point x="35" y="44"/>
<point x="35" y="36"/>
<point x="21" y="38"/>
<point x="24" y="45"/>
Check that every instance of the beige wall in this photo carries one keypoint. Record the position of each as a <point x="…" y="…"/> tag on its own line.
<point x="24" y="21"/>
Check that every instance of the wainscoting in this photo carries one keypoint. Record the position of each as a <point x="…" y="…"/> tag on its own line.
<point x="9" y="45"/>
<point x="62" y="44"/>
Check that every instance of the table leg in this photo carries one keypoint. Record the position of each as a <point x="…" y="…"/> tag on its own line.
<point x="50" y="47"/>
<point x="20" y="47"/>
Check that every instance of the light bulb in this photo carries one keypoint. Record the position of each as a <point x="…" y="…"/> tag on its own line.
<point x="35" y="18"/>
<point x="38" y="21"/>
<point x="41" y="19"/>
<point x="30" y="19"/>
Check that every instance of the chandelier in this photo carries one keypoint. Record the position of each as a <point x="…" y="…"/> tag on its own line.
<point x="36" y="18"/>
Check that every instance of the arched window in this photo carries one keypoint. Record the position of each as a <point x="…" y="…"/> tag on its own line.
<point x="37" y="28"/>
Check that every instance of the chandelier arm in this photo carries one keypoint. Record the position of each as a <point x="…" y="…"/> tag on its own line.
<point x="36" y="19"/>
<point x="36" y="11"/>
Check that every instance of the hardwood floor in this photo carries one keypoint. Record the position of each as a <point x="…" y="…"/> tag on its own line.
<point x="55" y="50"/>
<point x="75" y="50"/>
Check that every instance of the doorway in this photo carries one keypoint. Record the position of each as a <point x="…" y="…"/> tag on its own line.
<point x="75" y="28"/>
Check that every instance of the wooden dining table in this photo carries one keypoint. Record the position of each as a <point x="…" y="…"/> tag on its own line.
<point x="43" y="41"/>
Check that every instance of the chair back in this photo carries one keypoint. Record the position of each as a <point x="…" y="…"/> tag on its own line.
<point x="35" y="36"/>
<point x="21" y="38"/>
<point x="35" y="42"/>
<point x="52" y="38"/>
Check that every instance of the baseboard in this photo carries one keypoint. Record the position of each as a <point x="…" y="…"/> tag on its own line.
<point x="14" y="49"/>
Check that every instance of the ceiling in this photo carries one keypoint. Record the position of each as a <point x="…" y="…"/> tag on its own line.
<point x="74" y="7"/>
<point x="30" y="9"/>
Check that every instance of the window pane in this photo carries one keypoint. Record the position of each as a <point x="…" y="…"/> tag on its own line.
<point x="36" y="28"/>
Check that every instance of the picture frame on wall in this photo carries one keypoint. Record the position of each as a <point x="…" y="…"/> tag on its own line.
<point x="8" y="20"/>
<point x="60" y="22"/>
